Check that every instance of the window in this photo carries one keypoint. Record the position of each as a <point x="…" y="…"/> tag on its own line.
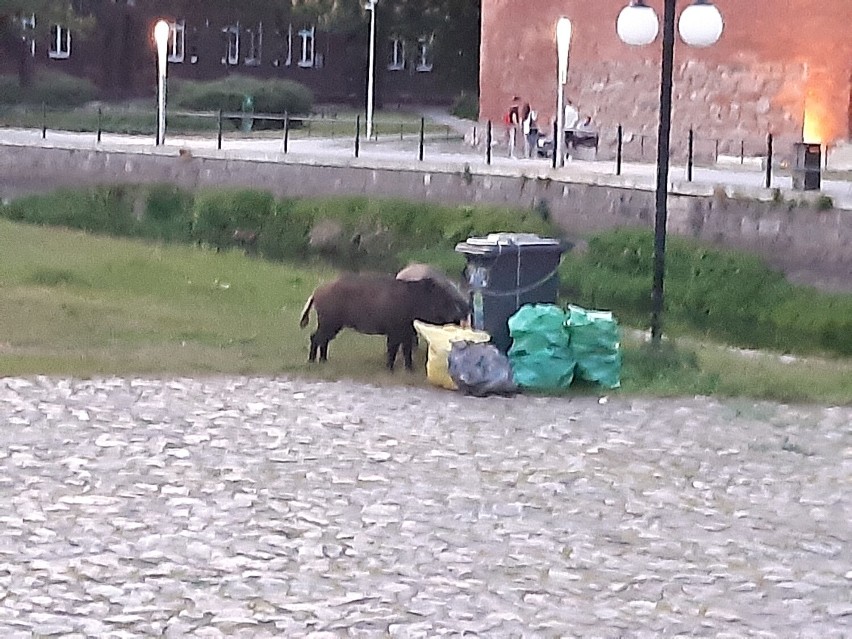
<point x="284" y="45"/>
<point x="306" y="54"/>
<point x="423" y="62"/>
<point x="28" y="27"/>
<point x="60" y="42"/>
<point x="232" y="47"/>
<point x="396" y="54"/>
<point x="177" y="40"/>
<point x="255" y="45"/>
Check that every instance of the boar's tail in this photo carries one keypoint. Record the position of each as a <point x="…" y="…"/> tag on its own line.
<point x="303" y="320"/>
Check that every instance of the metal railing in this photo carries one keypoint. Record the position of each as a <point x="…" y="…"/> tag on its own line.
<point x="615" y="144"/>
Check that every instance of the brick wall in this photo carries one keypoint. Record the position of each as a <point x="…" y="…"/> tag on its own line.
<point x="776" y="58"/>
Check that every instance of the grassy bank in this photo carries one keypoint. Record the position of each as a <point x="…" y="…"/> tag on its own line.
<point x="76" y="304"/>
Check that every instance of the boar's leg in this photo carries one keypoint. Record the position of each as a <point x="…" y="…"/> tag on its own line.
<point x="407" y="347"/>
<point x="319" y="342"/>
<point x="406" y="340"/>
<point x="312" y="356"/>
<point x="393" y="347"/>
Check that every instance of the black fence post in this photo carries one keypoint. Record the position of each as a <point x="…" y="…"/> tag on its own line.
<point x="768" y="181"/>
<point x="357" y="135"/>
<point x="716" y="156"/>
<point x="690" y="148"/>
<point x="555" y="149"/>
<point x="618" y="149"/>
<point x="642" y="146"/>
<point x="742" y="151"/>
<point x="286" y="131"/>
<point x="100" y="116"/>
<point x="422" y="136"/>
<point x="401" y="124"/>
<point x="219" y="135"/>
<point x="43" y="120"/>
<point x="488" y="134"/>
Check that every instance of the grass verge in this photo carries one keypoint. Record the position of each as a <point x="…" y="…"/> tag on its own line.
<point x="79" y="305"/>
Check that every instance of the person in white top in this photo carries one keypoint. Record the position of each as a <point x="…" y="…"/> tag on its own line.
<point x="572" y="116"/>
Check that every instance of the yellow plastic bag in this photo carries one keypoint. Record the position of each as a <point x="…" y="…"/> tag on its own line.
<point x="440" y="340"/>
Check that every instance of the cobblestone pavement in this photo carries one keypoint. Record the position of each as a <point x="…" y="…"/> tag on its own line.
<point x="245" y="507"/>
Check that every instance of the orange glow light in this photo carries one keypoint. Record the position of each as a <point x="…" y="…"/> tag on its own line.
<point x="812" y="131"/>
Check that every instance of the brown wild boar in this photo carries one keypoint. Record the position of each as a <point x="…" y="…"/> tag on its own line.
<point x="418" y="271"/>
<point x="379" y="305"/>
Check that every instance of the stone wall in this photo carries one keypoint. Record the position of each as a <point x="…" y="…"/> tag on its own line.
<point x="814" y="246"/>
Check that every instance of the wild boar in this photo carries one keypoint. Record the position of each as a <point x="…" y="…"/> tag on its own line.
<point x="418" y="271"/>
<point x="379" y="305"/>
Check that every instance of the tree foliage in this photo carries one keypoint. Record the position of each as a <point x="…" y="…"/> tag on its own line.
<point x="14" y="12"/>
<point x="17" y="26"/>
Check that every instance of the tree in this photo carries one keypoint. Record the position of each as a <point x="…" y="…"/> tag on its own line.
<point x="452" y="28"/>
<point x="23" y="20"/>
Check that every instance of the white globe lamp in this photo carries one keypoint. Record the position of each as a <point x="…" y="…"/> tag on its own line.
<point x="700" y="24"/>
<point x="637" y="24"/>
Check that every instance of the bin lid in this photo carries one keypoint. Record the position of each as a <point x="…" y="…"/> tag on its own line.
<point x="499" y="242"/>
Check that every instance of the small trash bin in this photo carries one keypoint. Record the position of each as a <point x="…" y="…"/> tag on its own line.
<point x="807" y="162"/>
<point x="506" y="271"/>
<point x="247" y="108"/>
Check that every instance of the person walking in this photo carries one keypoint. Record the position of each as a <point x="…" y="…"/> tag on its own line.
<point x="513" y="122"/>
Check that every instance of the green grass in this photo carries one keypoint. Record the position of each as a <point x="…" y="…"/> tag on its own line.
<point x="80" y="305"/>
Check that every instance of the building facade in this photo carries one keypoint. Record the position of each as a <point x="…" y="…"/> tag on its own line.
<point x="208" y="41"/>
<point x="781" y="66"/>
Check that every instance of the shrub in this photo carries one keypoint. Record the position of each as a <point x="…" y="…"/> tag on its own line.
<point x="824" y="203"/>
<point x="168" y="214"/>
<point x="724" y="292"/>
<point x="217" y="214"/>
<point x="815" y="321"/>
<point x="284" y="234"/>
<point x="10" y="90"/>
<point x="53" y="88"/>
<point x="730" y="295"/>
<point x="373" y="229"/>
<point x="270" y="96"/>
<point x="466" y="106"/>
<point x="100" y="210"/>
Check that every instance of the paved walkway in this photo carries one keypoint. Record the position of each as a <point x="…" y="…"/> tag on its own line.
<point x="279" y="508"/>
<point x="440" y="153"/>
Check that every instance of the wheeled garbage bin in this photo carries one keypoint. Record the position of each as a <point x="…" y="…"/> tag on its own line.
<point x="505" y="271"/>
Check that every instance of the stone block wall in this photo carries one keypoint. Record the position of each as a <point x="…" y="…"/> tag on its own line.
<point x="781" y="66"/>
<point x="815" y="246"/>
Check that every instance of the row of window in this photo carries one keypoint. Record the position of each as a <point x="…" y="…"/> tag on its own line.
<point x="249" y="42"/>
<point x="60" y="39"/>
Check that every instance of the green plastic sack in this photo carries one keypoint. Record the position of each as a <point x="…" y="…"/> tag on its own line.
<point x="540" y="354"/>
<point x="595" y="343"/>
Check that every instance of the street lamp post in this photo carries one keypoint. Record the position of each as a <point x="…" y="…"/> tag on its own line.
<point x="700" y="26"/>
<point x="371" y="7"/>
<point x="563" y="44"/>
<point x="161" y="37"/>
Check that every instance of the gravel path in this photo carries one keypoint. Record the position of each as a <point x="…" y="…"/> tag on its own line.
<point x="243" y="507"/>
